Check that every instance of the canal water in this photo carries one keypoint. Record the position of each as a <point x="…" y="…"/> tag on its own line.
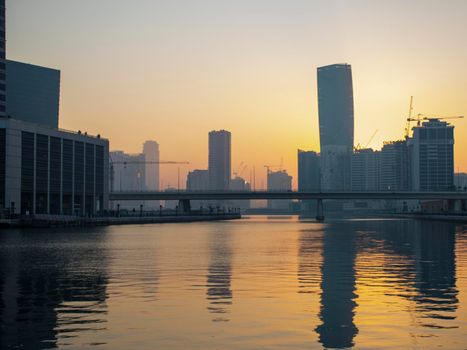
<point x="256" y="283"/>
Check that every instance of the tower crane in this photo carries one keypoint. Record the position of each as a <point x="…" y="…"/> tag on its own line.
<point x="410" y="119"/>
<point x="435" y="117"/>
<point x="125" y="163"/>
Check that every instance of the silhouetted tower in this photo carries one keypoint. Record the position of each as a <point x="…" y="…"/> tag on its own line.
<point x="336" y="125"/>
<point x="219" y="160"/>
<point x="151" y="154"/>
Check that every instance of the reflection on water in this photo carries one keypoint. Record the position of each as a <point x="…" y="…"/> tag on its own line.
<point x="219" y="292"/>
<point x="338" y="288"/>
<point x="53" y="287"/>
<point x="361" y="283"/>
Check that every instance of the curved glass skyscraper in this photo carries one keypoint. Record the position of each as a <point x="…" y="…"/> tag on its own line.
<point x="336" y="125"/>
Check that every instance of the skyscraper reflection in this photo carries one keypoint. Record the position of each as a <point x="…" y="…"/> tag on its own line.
<point x="219" y="292"/>
<point x="338" y="288"/>
<point x="429" y="251"/>
<point x="50" y="290"/>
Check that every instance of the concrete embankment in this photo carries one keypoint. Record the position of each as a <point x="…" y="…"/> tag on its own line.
<point x="105" y="221"/>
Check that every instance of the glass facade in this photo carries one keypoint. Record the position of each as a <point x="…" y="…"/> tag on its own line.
<point x="2" y="60"/>
<point x="2" y="167"/>
<point x="27" y="172"/>
<point x="58" y="176"/>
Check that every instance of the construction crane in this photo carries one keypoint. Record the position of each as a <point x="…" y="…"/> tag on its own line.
<point x="268" y="167"/>
<point x="359" y="147"/>
<point x="125" y="163"/>
<point x="371" y="138"/>
<point x="410" y="119"/>
<point x="434" y="117"/>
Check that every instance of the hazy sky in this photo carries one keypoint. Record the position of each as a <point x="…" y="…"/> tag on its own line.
<point x="173" y="70"/>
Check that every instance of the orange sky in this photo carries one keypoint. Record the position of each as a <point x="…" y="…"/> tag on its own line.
<point x="173" y="71"/>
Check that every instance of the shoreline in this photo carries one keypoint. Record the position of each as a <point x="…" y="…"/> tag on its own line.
<point x="109" y="221"/>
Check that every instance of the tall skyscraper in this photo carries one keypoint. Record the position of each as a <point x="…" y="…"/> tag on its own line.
<point x="219" y="160"/>
<point x="33" y="93"/>
<point x="431" y="155"/>
<point x="336" y="125"/>
<point x="2" y="60"/>
<point x="151" y="153"/>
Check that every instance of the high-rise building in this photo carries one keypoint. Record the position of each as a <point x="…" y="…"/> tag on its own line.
<point x="151" y="154"/>
<point x="2" y="59"/>
<point x="129" y="171"/>
<point x="336" y="125"/>
<point x="219" y="160"/>
<point x="394" y="167"/>
<point x="308" y="171"/>
<point x="33" y="93"/>
<point x="197" y="180"/>
<point x="431" y="152"/>
<point x="365" y="170"/>
<point x="49" y="171"/>
<point x="279" y="181"/>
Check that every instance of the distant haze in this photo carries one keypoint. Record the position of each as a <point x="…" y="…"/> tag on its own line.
<point x="174" y="70"/>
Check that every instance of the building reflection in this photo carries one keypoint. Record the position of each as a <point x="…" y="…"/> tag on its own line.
<point x="414" y="260"/>
<point x="219" y="291"/>
<point x="51" y="288"/>
<point x="428" y="249"/>
<point x="337" y="310"/>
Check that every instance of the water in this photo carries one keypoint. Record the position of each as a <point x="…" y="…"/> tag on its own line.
<point x="257" y="283"/>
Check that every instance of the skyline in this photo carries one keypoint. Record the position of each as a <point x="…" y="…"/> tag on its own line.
<point x="254" y="75"/>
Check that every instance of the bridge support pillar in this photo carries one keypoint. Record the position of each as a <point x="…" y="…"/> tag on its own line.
<point x="184" y="206"/>
<point x="319" y="210"/>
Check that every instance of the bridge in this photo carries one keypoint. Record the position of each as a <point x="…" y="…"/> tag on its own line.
<point x="455" y="199"/>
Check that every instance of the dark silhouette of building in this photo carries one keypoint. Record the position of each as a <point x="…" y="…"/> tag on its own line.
<point x="336" y="125"/>
<point x="2" y="59"/>
<point x="33" y="93"/>
<point x="431" y="151"/>
<point x="219" y="160"/>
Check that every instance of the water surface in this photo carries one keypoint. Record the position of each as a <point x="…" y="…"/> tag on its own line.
<point x="256" y="283"/>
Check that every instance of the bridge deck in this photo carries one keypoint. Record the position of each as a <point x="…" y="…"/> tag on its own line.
<point x="232" y="195"/>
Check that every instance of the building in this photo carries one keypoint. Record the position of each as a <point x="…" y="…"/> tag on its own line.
<point x="49" y="171"/>
<point x="151" y="154"/>
<point x="197" y="180"/>
<point x="309" y="175"/>
<point x="431" y="152"/>
<point x="365" y="170"/>
<point x="2" y="59"/>
<point x="219" y="160"/>
<point x="128" y="171"/>
<point x="336" y="125"/>
<point x="33" y="93"/>
<point x="308" y="171"/>
<point x="279" y="181"/>
<point x="394" y="167"/>
<point x="240" y="184"/>
<point x="460" y="181"/>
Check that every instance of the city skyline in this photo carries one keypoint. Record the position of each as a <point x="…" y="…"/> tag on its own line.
<point x="262" y="84"/>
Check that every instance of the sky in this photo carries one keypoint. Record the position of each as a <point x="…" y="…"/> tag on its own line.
<point x="171" y="71"/>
